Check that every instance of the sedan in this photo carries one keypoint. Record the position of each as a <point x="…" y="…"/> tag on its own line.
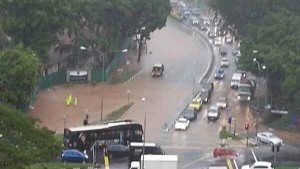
<point x="269" y="138"/>
<point x="190" y="113"/>
<point x="205" y="95"/>
<point x="225" y="62"/>
<point x="235" y="52"/>
<point x="223" y="51"/>
<point x="258" y="165"/>
<point x="117" y="150"/>
<point x="228" y="39"/>
<point x="218" y="41"/>
<point x="73" y="155"/>
<point x="220" y="74"/>
<point x="222" y="102"/>
<point x="182" y="124"/>
<point x="196" y="103"/>
<point x="226" y="152"/>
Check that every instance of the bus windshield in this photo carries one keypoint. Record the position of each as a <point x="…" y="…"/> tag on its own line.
<point x="121" y="132"/>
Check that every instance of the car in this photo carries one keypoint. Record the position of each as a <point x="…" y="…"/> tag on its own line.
<point x="205" y="95"/>
<point x="259" y="165"/>
<point x="196" y="12"/>
<point x="190" y="113"/>
<point x="222" y="102"/>
<point x="208" y="86"/>
<point x="218" y="41"/>
<point x="182" y="124"/>
<point x="228" y="39"/>
<point x="269" y="138"/>
<point x="117" y="151"/>
<point x="206" y="22"/>
<point x="235" y="52"/>
<point x="196" y="103"/>
<point x="158" y="70"/>
<point x="223" y="51"/>
<point x="225" y="62"/>
<point x="194" y="20"/>
<point x="220" y="74"/>
<point x="212" y="34"/>
<point x="213" y="113"/>
<point x="226" y="152"/>
<point x="73" y="155"/>
<point x="203" y="27"/>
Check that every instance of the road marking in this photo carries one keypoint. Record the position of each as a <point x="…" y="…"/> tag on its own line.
<point x="235" y="164"/>
<point x="253" y="154"/>
<point x="229" y="164"/>
<point x="195" y="161"/>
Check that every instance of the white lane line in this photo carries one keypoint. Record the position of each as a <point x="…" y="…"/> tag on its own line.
<point x="253" y="154"/>
<point x="235" y="164"/>
<point x="210" y="55"/>
<point x="195" y="161"/>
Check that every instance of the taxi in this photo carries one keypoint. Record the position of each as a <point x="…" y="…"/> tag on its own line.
<point x="196" y="103"/>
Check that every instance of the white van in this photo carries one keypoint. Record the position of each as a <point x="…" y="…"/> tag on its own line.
<point x="236" y="80"/>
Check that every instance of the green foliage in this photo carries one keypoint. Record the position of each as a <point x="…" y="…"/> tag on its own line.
<point x="23" y="143"/>
<point x="34" y="23"/>
<point x="19" y="69"/>
<point x="58" y="165"/>
<point x="270" y="27"/>
<point x="118" y="113"/>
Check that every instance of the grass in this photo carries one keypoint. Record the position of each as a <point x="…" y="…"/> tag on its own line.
<point x="58" y="165"/>
<point x="224" y="134"/>
<point x="123" y="77"/>
<point x="118" y="113"/>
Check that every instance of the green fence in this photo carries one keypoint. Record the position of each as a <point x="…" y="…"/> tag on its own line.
<point x="52" y="79"/>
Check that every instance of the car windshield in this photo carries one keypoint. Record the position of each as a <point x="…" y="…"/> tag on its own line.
<point x="225" y="59"/>
<point x="222" y="99"/>
<point x="221" y="71"/>
<point x="194" y="102"/>
<point x="272" y="136"/>
<point x="182" y="120"/>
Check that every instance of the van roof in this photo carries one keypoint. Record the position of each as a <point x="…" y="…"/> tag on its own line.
<point x="160" y="157"/>
<point x="237" y="76"/>
<point x="141" y="144"/>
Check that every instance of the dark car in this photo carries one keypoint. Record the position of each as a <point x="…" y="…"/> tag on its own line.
<point x="220" y="74"/>
<point x="208" y="86"/>
<point x="205" y="95"/>
<point x="190" y="113"/>
<point x="223" y="51"/>
<point x="117" y="150"/>
<point x="73" y="155"/>
<point x="158" y="70"/>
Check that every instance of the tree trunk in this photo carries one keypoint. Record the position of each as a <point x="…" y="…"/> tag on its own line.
<point x="140" y="49"/>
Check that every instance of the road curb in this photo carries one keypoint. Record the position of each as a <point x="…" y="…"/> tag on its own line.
<point x="132" y="77"/>
<point x="204" y="78"/>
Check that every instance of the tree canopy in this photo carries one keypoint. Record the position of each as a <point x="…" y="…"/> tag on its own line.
<point x="271" y="28"/>
<point x="21" y="143"/>
<point x="19" y="69"/>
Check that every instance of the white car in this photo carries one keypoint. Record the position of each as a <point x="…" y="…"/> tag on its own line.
<point x="259" y="165"/>
<point x="213" y="113"/>
<point x="222" y="102"/>
<point x="218" y="41"/>
<point x="182" y="124"/>
<point x="269" y="138"/>
<point x="228" y="38"/>
<point x="225" y="62"/>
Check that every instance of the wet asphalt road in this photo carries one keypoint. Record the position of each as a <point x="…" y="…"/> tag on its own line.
<point x="186" y="57"/>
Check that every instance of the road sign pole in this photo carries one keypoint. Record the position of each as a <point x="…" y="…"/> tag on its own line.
<point x="247" y="137"/>
<point x="234" y="127"/>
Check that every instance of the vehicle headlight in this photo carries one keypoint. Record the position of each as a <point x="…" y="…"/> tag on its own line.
<point x="86" y="156"/>
<point x="206" y="99"/>
<point x="248" y="98"/>
<point x="239" y="97"/>
<point x="215" y="75"/>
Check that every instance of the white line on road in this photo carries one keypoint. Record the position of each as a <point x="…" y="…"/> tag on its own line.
<point x="253" y="154"/>
<point x="195" y="161"/>
<point x="235" y="164"/>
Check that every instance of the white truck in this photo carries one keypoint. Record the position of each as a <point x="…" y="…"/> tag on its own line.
<point x="156" y="161"/>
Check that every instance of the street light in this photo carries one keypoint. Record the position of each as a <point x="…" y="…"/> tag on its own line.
<point x="102" y="78"/>
<point x="82" y="48"/>
<point x="145" y="119"/>
<point x="257" y="111"/>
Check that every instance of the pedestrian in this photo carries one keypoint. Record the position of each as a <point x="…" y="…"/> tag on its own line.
<point x="67" y="102"/>
<point x="75" y="101"/>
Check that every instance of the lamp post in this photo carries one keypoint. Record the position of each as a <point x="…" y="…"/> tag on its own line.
<point x="82" y="48"/>
<point x="102" y="78"/>
<point x="145" y="119"/>
<point x="266" y="87"/>
<point x="257" y="111"/>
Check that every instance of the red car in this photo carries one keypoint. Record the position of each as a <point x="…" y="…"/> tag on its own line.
<point x="225" y="152"/>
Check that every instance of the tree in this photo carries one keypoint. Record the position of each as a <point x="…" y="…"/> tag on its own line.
<point x="23" y="143"/>
<point x="150" y="14"/>
<point x="19" y="70"/>
<point x="34" y="23"/>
